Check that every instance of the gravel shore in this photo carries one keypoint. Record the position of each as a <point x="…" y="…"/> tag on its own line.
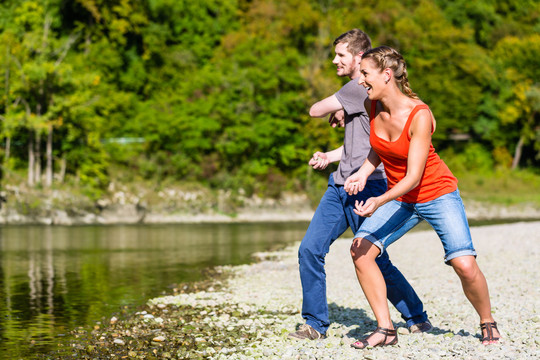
<point x="265" y="300"/>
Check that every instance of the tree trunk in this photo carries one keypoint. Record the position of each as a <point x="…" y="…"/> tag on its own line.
<point x="37" y="160"/>
<point x="31" y="160"/>
<point x="37" y="145"/>
<point x="62" y="169"/>
<point x="8" y="148"/>
<point x="49" y="155"/>
<point x="517" y="155"/>
<point x="6" y="105"/>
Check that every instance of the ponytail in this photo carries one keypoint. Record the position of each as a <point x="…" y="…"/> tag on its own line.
<point x="405" y="87"/>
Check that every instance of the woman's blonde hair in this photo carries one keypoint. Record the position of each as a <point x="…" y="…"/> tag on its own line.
<point x="385" y="57"/>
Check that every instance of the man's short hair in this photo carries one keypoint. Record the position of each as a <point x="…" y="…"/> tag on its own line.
<point x="358" y="41"/>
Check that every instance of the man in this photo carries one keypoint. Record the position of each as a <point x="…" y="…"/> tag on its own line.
<point x="335" y="211"/>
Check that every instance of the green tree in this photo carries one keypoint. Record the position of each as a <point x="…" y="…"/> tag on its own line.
<point x="219" y="90"/>
<point x="520" y="103"/>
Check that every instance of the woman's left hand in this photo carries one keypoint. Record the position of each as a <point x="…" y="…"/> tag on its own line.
<point x="368" y="207"/>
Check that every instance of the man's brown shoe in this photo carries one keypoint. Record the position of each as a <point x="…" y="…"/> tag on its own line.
<point x="307" y="332"/>
<point x="421" y="327"/>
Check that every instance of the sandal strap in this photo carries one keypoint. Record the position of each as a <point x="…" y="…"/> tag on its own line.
<point x="364" y="343"/>
<point x="489" y="326"/>
<point x="386" y="332"/>
<point x="487" y="323"/>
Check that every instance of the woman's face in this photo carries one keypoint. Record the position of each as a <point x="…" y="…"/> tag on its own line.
<point x="372" y="79"/>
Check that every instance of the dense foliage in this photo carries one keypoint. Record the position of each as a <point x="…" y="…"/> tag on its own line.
<point x="217" y="91"/>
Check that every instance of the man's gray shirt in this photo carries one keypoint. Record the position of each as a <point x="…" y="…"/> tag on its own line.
<point x="356" y="143"/>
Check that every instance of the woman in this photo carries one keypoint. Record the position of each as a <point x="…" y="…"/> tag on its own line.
<point x="420" y="187"/>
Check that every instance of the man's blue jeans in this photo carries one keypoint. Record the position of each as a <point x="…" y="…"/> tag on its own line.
<point x="331" y="219"/>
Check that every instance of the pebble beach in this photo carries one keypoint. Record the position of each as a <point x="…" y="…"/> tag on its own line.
<point x="247" y="311"/>
<point x="258" y="304"/>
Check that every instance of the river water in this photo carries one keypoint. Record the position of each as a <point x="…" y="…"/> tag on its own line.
<point x="55" y="279"/>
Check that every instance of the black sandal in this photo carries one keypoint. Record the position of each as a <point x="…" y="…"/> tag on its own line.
<point x="385" y="332"/>
<point x="489" y="326"/>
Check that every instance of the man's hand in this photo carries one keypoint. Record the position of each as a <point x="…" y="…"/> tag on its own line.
<point x="354" y="183"/>
<point x="337" y="119"/>
<point x="319" y="161"/>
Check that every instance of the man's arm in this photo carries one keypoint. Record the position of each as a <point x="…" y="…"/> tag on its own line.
<point x="324" y="107"/>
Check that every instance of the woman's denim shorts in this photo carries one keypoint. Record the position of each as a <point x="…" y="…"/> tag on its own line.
<point x="446" y="214"/>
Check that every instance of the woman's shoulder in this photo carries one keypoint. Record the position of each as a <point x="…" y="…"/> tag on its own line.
<point x="421" y="113"/>
<point x="414" y="103"/>
<point x="416" y="106"/>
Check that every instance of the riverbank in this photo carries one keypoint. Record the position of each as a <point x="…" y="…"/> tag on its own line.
<point x="23" y="206"/>
<point x="172" y="206"/>
<point x="248" y="313"/>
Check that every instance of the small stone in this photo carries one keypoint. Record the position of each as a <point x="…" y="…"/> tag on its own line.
<point x="267" y="352"/>
<point x="403" y="331"/>
<point x="159" y="338"/>
<point x="114" y="320"/>
<point x="119" y="342"/>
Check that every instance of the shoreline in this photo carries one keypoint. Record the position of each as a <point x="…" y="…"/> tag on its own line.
<point x="299" y="210"/>
<point x="248" y="313"/>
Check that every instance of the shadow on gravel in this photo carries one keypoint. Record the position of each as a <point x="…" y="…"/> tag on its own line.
<point x="366" y="324"/>
<point x="348" y="316"/>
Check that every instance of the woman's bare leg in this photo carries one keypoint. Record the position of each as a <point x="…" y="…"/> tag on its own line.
<point x="475" y="287"/>
<point x="372" y="282"/>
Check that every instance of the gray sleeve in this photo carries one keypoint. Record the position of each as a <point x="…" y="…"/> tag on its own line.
<point x="352" y="96"/>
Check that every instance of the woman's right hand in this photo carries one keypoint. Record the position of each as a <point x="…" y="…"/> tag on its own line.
<point x="368" y="207"/>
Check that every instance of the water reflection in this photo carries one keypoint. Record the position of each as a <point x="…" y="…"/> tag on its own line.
<point x="55" y="279"/>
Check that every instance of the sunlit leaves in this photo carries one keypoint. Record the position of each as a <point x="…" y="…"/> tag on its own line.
<point x="219" y="89"/>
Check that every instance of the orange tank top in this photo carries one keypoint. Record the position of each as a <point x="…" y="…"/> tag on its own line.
<point x="437" y="178"/>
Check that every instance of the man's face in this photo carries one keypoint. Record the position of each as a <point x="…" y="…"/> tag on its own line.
<point x="346" y="63"/>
